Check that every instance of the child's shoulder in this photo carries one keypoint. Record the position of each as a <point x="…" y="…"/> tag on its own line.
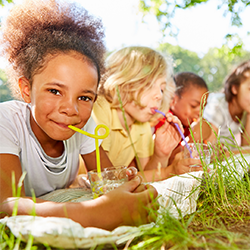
<point x="9" y="108"/>
<point x="102" y="111"/>
<point x="216" y="97"/>
<point x="101" y="103"/>
<point x="216" y="105"/>
<point x="13" y="116"/>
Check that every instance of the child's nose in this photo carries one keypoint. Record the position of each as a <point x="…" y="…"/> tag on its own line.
<point x="69" y="107"/>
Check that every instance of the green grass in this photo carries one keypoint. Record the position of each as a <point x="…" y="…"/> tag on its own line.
<point x="221" y="221"/>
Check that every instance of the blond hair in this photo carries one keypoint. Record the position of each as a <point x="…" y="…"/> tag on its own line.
<point x="133" y="70"/>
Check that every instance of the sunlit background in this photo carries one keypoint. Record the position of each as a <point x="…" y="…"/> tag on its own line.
<point x="200" y="29"/>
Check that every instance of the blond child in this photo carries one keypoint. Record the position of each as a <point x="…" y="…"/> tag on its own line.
<point x="56" y="53"/>
<point x="138" y="78"/>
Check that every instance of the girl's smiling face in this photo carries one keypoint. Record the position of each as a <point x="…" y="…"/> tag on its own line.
<point x="63" y="93"/>
<point x="187" y="107"/>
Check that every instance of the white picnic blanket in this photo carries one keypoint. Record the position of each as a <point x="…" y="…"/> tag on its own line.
<point x="179" y="193"/>
<point x="67" y="234"/>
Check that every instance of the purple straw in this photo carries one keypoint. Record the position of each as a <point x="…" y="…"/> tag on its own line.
<point x="182" y="135"/>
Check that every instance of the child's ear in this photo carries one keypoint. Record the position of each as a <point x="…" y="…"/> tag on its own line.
<point x="234" y="89"/>
<point x="173" y="101"/>
<point x="24" y="87"/>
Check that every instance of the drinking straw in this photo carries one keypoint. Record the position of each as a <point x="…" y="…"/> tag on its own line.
<point x="96" y="137"/>
<point x="179" y="129"/>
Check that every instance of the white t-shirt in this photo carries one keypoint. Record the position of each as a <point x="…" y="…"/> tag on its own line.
<point x="217" y="113"/>
<point x="18" y="139"/>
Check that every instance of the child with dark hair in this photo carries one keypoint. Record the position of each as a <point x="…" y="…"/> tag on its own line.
<point x="189" y="97"/>
<point x="229" y="112"/>
<point x="191" y="92"/>
<point x="56" y="55"/>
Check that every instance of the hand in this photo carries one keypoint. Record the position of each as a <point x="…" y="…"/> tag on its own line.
<point x="167" y="136"/>
<point x="131" y="172"/>
<point x="80" y="181"/>
<point x="182" y="166"/>
<point x="129" y="204"/>
<point x="153" y="207"/>
<point x="170" y="118"/>
<point x="83" y="181"/>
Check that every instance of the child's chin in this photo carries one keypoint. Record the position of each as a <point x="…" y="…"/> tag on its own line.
<point x="143" y="120"/>
<point x="61" y="138"/>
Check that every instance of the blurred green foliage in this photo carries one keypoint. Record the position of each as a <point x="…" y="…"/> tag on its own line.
<point x="214" y="66"/>
<point x="4" y="2"/>
<point x="164" y="10"/>
<point x="5" y="93"/>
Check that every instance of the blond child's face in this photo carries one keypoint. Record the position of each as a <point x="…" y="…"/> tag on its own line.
<point x="187" y="107"/>
<point x="151" y="99"/>
<point x="62" y="94"/>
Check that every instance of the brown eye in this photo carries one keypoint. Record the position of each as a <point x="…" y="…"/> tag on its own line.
<point x="85" y="98"/>
<point x="54" y="91"/>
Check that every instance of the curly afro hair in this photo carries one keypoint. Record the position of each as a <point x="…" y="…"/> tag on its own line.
<point x="38" y="28"/>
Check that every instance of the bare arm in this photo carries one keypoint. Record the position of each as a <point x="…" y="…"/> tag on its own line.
<point x="214" y="132"/>
<point x="177" y="167"/>
<point x="108" y="211"/>
<point x="202" y="131"/>
<point x="9" y="163"/>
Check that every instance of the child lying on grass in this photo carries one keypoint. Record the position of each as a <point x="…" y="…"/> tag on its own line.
<point x="55" y="51"/>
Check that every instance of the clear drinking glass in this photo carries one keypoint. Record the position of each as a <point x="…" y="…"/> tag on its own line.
<point x="199" y="151"/>
<point x="107" y="180"/>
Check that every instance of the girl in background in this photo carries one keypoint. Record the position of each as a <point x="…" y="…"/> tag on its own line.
<point x="189" y="99"/>
<point x="191" y="92"/>
<point x="230" y="111"/>
<point x="187" y="103"/>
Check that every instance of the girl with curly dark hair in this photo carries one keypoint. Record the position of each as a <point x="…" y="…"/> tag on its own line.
<point x="56" y="57"/>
